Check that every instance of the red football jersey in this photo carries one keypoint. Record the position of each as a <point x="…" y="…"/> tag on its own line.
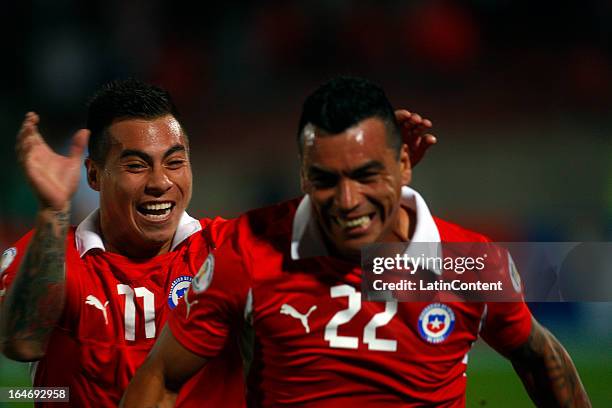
<point x="314" y="342"/>
<point x="115" y="309"/>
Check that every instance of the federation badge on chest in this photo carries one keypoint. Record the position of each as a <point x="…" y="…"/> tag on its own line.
<point x="178" y="289"/>
<point x="436" y="323"/>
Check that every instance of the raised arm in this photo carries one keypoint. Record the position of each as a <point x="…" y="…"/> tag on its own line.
<point x="35" y="300"/>
<point x="547" y="371"/>
<point x="158" y="380"/>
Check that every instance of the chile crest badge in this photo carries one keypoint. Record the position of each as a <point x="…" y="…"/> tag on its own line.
<point x="436" y="322"/>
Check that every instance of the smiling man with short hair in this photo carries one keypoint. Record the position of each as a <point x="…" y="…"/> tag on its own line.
<point x="87" y="303"/>
<point x="288" y="279"/>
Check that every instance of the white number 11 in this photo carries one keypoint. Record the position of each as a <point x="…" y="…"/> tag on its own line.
<point x="130" y="310"/>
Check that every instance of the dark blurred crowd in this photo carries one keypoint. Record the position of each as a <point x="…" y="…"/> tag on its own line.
<point x="521" y="89"/>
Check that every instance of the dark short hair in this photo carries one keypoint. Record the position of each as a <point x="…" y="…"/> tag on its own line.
<point x="345" y="101"/>
<point x="119" y="100"/>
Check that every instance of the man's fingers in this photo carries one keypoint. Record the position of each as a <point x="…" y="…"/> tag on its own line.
<point x="416" y="143"/>
<point x="420" y="145"/>
<point x="421" y="129"/>
<point x="430" y="139"/>
<point x="415" y="118"/>
<point x="28" y="135"/>
<point x="79" y="143"/>
<point x="417" y="123"/>
<point x="28" y="126"/>
<point x="27" y="139"/>
<point x="402" y="115"/>
<point x="32" y="117"/>
<point x="414" y="133"/>
<point x="424" y="142"/>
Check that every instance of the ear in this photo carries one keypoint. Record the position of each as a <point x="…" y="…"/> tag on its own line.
<point x="405" y="166"/>
<point x="93" y="174"/>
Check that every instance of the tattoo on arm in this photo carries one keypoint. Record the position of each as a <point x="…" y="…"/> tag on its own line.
<point x="36" y="299"/>
<point x="547" y="371"/>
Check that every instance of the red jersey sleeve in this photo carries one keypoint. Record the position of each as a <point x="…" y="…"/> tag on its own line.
<point x="215" y="304"/>
<point x="507" y="325"/>
<point x="218" y="230"/>
<point x="10" y="261"/>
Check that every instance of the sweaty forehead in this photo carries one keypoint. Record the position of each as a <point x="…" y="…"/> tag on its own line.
<point x="358" y="144"/>
<point x="151" y="136"/>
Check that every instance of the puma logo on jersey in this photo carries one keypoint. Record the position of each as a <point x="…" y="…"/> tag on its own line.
<point x="287" y="309"/>
<point x="188" y="305"/>
<point x="93" y="301"/>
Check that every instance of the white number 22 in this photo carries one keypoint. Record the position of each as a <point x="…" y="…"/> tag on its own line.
<point x="369" y="332"/>
<point x="130" y="310"/>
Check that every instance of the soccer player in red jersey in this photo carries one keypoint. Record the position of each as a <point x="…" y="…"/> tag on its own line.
<point x="288" y="279"/>
<point x="87" y="303"/>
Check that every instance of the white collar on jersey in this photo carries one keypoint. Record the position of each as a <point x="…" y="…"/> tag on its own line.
<point x="87" y="235"/>
<point x="306" y="240"/>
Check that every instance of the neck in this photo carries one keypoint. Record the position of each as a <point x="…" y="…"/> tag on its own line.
<point x="403" y="228"/>
<point x="131" y="249"/>
<point x="137" y="251"/>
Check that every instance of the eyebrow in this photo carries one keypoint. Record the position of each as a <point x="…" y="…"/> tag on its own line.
<point x="146" y="157"/>
<point x="174" y="149"/>
<point x="373" y="165"/>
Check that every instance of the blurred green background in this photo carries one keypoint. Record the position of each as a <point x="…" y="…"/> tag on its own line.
<point x="520" y="94"/>
<point x="491" y="379"/>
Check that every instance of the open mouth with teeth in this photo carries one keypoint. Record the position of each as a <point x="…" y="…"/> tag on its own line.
<point x="360" y="223"/>
<point x="156" y="211"/>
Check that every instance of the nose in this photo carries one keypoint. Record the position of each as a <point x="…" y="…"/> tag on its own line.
<point x="347" y="195"/>
<point x="158" y="182"/>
